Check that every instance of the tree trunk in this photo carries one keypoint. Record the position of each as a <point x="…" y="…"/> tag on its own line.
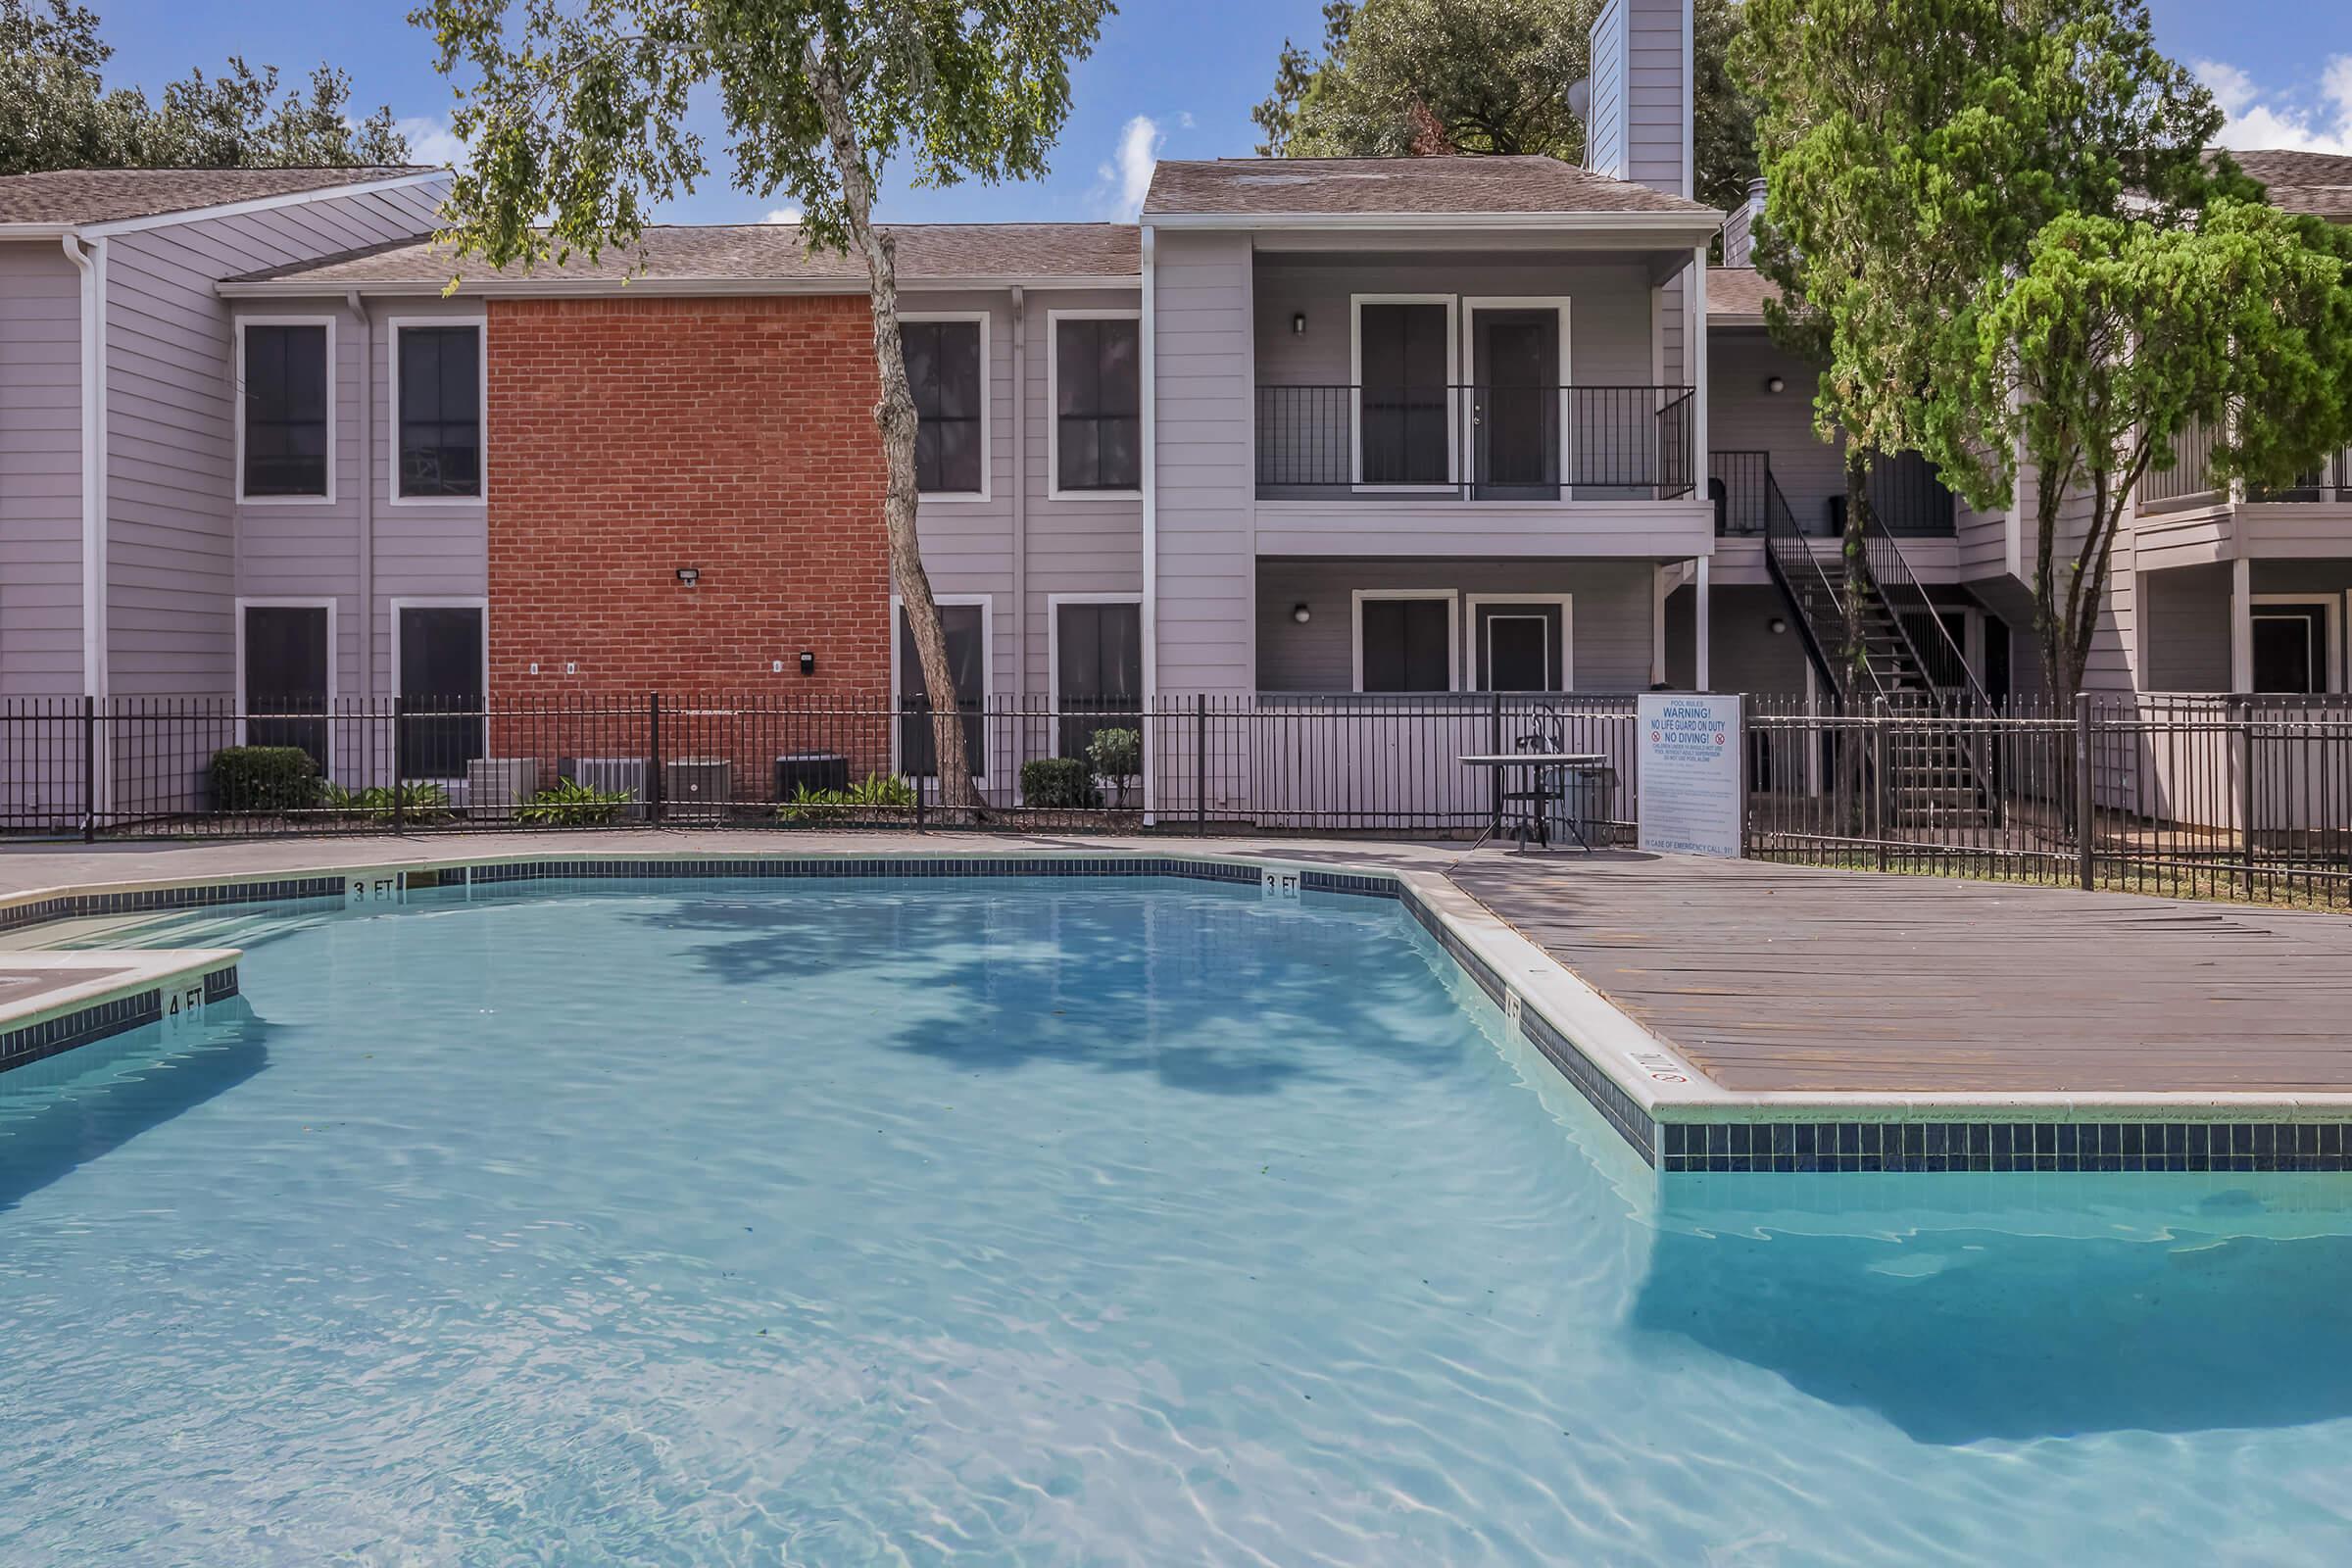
<point x="894" y="418"/>
<point x="1853" y="551"/>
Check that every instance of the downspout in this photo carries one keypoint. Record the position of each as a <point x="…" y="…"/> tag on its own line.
<point x="1020" y="497"/>
<point x="367" y="485"/>
<point x="1149" y="616"/>
<point x="90" y="264"/>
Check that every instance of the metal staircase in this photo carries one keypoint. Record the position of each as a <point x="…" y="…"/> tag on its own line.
<point x="1932" y="774"/>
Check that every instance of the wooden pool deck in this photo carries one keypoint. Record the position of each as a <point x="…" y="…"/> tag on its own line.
<point x="1772" y="978"/>
<point x="1769" y="979"/>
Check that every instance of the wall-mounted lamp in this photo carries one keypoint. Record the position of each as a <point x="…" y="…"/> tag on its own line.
<point x="1774" y="385"/>
<point x="1299" y="613"/>
<point x="688" y="577"/>
<point x="1298" y="323"/>
<point x="1777" y="626"/>
<point x="807" y="662"/>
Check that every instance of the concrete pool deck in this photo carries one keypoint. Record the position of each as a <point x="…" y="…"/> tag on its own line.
<point x="1713" y="993"/>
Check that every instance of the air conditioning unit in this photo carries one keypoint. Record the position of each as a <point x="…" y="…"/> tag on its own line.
<point x="496" y="785"/>
<point x="696" y="786"/>
<point x="613" y="775"/>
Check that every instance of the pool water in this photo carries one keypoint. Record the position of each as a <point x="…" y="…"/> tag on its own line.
<point x="1066" y="1221"/>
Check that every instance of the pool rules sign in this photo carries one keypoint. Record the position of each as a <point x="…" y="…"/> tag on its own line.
<point x="1688" y="778"/>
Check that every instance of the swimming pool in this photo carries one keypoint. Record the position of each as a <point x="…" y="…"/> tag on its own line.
<point x="1066" y="1220"/>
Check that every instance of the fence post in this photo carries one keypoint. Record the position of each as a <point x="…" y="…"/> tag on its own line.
<point x="1495" y="774"/>
<point x="653" y="766"/>
<point x="1882" y="787"/>
<point x="2244" y="711"/>
<point x="89" y="768"/>
<point x="1200" y="763"/>
<point x="2085" y="838"/>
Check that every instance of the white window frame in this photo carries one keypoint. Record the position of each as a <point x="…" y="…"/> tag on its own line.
<point x="335" y="653"/>
<point x="2332" y="657"/>
<point x="1567" y="607"/>
<point x="393" y="327"/>
<point x="393" y="608"/>
<point x="1053" y="321"/>
<point x="987" y="409"/>
<point x="1053" y="603"/>
<point x="1454" y="633"/>
<point x="237" y="393"/>
<point x="1473" y="304"/>
<point x="1355" y="398"/>
<point x="988" y="669"/>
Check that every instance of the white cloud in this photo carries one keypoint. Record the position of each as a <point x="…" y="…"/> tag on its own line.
<point x="782" y="215"/>
<point x="430" y="140"/>
<point x="2254" y="118"/>
<point x="1120" y="183"/>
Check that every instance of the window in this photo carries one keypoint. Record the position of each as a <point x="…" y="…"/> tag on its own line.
<point x="1404" y="642"/>
<point x="441" y="696"/>
<point x="283" y="410"/>
<point x="2292" y="647"/>
<point x="439" y="403"/>
<point x="1098" y="670"/>
<point x="942" y="367"/>
<point x="1519" y="645"/>
<point x="286" y="677"/>
<point x="1403" y="352"/>
<point x="1098" y="404"/>
<point x="966" y="629"/>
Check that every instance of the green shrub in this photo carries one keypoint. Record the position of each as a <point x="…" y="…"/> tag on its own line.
<point x="1118" y="755"/>
<point x="571" y="803"/>
<point x="874" y="792"/>
<point x="264" y="778"/>
<point x="419" y="802"/>
<point x="1063" y="782"/>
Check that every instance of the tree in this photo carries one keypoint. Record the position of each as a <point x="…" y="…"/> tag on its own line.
<point x="1405" y="76"/>
<point x="577" y="117"/>
<point x="62" y="115"/>
<point x="1912" y="152"/>
<point x="2114" y="336"/>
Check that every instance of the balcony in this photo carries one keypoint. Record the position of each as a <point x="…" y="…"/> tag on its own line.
<point x="2191" y="483"/>
<point x="1470" y="442"/>
<point x="1906" y="493"/>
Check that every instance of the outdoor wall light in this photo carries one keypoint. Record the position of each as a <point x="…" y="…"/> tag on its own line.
<point x="1299" y="613"/>
<point x="1298" y="323"/>
<point x="688" y="577"/>
<point x="1777" y="626"/>
<point x="807" y="662"/>
<point x="1774" y="385"/>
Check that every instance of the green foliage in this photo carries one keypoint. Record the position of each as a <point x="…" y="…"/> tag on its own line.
<point x="62" y="115"/>
<point x="264" y="778"/>
<point x="417" y="803"/>
<point x="875" y="792"/>
<point x="577" y="115"/>
<point x="1400" y="77"/>
<point x="1063" y="783"/>
<point x="571" y="803"/>
<point x="1116" y="754"/>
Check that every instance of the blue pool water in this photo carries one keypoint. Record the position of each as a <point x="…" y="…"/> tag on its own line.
<point x="1067" y="1222"/>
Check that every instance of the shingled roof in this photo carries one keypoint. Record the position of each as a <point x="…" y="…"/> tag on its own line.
<point x="112" y="195"/>
<point x="2317" y="183"/>
<point x="1735" y="295"/>
<point x="751" y="254"/>
<point x="1403" y="186"/>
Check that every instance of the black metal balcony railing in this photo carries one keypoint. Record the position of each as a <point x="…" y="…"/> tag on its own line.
<point x="2191" y="481"/>
<point x="1477" y="443"/>
<point x="1907" y="497"/>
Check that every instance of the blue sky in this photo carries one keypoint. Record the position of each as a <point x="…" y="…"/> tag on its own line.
<point x="1175" y="77"/>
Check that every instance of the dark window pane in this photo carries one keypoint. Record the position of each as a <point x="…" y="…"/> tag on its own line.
<point x="1099" y="671"/>
<point x="440" y="411"/>
<point x="1097" y="391"/>
<point x="944" y="372"/>
<point x="286" y="410"/>
<point x="440" y="691"/>
<point x="1405" y="645"/>
<point x="2290" y="650"/>
<point x="1404" y="413"/>
<point x="286" y="678"/>
<point x="966" y="662"/>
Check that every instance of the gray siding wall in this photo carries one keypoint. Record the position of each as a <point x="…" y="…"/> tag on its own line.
<point x="2186" y="629"/>
<point x="1742" y="416"/>
<point x="1606" y="149"/>
<point x="41" y="471"/>
<point x="173" y="551"/>
<point x="1657" y="134"/>
<point x="310" y="550"/>
<point x="1079" y="545"/>
<point x="1205" y="474"/>
<point x="1609" y="615"/>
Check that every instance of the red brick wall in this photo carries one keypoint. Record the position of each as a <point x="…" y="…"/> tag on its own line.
<point x="630" y="437"/>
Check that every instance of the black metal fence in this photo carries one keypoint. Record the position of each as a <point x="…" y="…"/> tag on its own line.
<point x="2188" y="796"/>
<point x="1353" y="764"/>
